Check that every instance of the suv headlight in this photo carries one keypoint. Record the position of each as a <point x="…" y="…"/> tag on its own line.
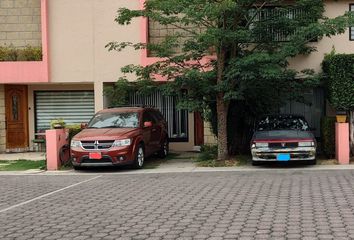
<point x="75" y="144"/>
<point x="306" y="144"/>
<point x="121" y="143"/>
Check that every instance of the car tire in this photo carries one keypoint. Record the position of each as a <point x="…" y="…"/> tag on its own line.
<point x="164" y="149"/>
<point x="312" y="162"/>
<point x="77" y="168"/>
<point x="139" y="157"/>
<point x="256" y="163"/>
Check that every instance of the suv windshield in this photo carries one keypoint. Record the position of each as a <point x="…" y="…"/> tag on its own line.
<point x="282" y="123"/>
<point x="114" y="120"/>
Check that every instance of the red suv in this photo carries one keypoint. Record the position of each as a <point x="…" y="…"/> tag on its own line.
<point x="120" y="136"/>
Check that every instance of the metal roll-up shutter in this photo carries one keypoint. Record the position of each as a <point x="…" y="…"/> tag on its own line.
<point x="73" y="106"/>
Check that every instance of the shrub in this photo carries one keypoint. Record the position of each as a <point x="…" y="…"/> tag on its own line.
<point x="328" y="136"/>
<point x="208" y="152"/>
<point x="13" y="54"/>
<point x="339" y="74"/>
<point x="30" y="54"/>
<point x="57" y="122"/>
<point x="73" y="130"/>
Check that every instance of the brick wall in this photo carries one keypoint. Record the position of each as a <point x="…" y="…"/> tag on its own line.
<point x="209" y="137"/>
<point x="2" y="120"/>
<point x="20" y="22"/>
<point x="158" y="32"/>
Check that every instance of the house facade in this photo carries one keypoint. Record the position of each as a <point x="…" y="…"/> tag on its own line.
<point x="68" y="82"/>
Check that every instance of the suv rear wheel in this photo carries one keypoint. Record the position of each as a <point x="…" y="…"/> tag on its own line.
<point x="139" y="157"/>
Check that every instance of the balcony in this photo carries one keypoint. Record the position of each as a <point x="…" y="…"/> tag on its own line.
<point x="15" y="16"/>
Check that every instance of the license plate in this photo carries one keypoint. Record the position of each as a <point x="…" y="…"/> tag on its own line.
<point x="95" y="155"/>
<point x="283" y="157"/>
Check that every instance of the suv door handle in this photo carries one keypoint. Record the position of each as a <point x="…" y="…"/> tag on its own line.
<point x="154" y="130"/>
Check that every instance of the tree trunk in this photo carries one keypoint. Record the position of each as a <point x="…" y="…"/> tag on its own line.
<point x="222" y="108"/>
<point x="222" y="111"/>
<point x="351" y="126"/>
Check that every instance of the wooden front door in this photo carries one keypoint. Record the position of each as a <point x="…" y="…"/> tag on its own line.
<point x="198" y="129"/>
<point x="16" y="116"/>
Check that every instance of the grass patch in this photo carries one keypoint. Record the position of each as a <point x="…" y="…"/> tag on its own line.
<point x="208" y="156"/>
<point x="21" y="165"/>
<point x="237" y="161"/>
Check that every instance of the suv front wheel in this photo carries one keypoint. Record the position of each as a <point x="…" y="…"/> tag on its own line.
<point x="139" y="157"/>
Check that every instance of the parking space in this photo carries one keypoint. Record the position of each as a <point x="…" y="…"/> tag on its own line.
<point x="290" y="204"/>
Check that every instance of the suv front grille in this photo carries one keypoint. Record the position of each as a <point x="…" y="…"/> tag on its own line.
<point x="97" y="145"/>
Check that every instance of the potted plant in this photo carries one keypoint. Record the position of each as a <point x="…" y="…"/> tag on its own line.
<point x="341" y="116"/>
<point x="57" y="123"/>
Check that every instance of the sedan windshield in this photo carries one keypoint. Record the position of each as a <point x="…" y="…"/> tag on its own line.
<point x="282" y="123"/>
<point x="114" y="120"/>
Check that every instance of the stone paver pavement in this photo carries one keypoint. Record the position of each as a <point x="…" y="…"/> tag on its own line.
<point x="292" y="204"/>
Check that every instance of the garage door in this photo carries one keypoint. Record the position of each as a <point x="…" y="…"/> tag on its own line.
<point x="73" y="106"/>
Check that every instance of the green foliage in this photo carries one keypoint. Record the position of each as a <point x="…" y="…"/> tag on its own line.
<point x="12" y="54"/>
<point x="339" y="73"/>
<point x="58" y="122"/>
<point x="73" y="130"/>
<point x="22" y="165"/>
<point x="208" y="152"/>
<point x="328" y="136"/>
<point x="118" y="94"/>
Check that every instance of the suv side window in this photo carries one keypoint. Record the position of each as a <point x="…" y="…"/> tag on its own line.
<point x="148" y="117"/>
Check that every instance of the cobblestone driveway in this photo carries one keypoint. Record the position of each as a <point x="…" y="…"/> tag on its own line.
<point x="234" y="205"/>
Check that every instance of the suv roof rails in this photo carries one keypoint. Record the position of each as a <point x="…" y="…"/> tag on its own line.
<point x="133" y="105"/>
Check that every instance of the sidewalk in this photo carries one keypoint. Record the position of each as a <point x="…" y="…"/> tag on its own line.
<point x="34" y="156"/>
<point x="183" y="163"/>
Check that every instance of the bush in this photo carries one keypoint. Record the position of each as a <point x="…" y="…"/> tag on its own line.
<point x="13" y="54"/>
<point x="328" y="136"/>
<point x="57" y="122"/>
<point x="208" y="152"/>
<point x="339" y="74"/>
<point x="73" y="130"/>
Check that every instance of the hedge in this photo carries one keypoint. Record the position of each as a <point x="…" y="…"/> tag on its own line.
<point x="328" y="136"/>
<point x="339" y="75"/>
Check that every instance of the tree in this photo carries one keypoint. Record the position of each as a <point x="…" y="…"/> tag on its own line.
<point x="231" y="50"/>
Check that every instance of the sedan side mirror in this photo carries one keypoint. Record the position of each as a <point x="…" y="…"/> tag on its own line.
<point x="83" y="125"/>
<point x="147" y="124"/>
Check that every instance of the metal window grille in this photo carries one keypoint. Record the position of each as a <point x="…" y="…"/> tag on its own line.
<point x="177" y="120"/>
<point x="269" y="13"/>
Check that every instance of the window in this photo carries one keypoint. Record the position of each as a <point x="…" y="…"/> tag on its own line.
<point x="149" y="117"/>
<point x="177" y="120"/>
<point x="351" y="29"/>
<point x="74" y="107"/>
<point x="158" y="32"/>
<point x="265" y="29"/>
